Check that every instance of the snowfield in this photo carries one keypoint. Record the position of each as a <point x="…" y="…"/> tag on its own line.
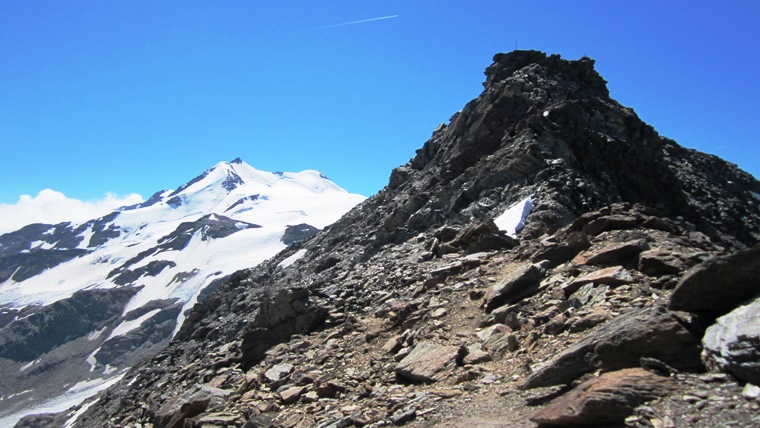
<point x="272" y="201"/>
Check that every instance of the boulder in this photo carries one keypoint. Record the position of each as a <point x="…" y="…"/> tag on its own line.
<point x="277" y="374"/>
<point x="586" y="322"/>
<point x="616" y="253"/>
<point x="609" y="222"/>
<point x="720" y="284"/>
<point x="615" y="275"/>
<point x="430" y="362"/>
<point x="507" y="315"/>
<point x="620" y="343"/>
<point x="175" y="411"/>
<point x="608" y="399"/>
<point x="732" y="344"/>
<point x="292" y="394"/>
<point x="477" y="356"/>
<point x="658" y="261"/>
<point x="559" y="252"/>
<point x="521" y="282"/>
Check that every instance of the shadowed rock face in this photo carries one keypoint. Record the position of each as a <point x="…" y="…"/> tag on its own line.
<point x="738" y="275"/>
<point x="600" y="179"/>
<point x="298" y="232"/>
<point x="53" y="245"/>
<point x="62" y="321"/>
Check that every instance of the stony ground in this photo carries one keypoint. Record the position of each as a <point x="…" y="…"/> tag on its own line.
<point x="352" y="372"/>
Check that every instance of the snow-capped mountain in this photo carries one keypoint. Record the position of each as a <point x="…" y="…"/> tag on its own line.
<point x="80" y="303"/>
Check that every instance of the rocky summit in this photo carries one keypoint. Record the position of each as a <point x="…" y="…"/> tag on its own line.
<point x="545" y="259"/>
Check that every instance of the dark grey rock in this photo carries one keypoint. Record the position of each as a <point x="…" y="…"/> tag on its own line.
<point x="404" y="415"/>
<point x="297" y="233"/>
<point x="519" y="283"/>
<point x="65" y="320"/>
<point x="720" y="284"/>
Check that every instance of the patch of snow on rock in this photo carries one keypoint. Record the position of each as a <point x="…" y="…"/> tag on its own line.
<point x="513" y="219"/>
<point x="292" y="259"/>
<point x="130" y="325"/>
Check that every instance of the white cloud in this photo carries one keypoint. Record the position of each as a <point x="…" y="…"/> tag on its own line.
<point x="50" y="206"/>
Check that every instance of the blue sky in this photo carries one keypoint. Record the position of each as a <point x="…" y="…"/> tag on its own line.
<point x="119" y="97"/>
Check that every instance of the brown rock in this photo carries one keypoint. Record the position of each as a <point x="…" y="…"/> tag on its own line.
<point x="507" y="315"/>
<point x="429" y="362"/>
<point x="277" y="374"/>
<point x="393" y="344"/>
<point x="476" y="356"/>
<point x="615" y="275"/>
<point x="291" y="395"/>
<point x="501" y="342"/>
<point x="446" y="393"/>
<point x="588" y="321"/>
<point x="612" y="254"/>
<point x="484" y="236"/>
<point x="608" y="399"/>
<point x="222" y="419"/>
<point x="329" y="388"/>
<point x="556" y="324"/>
<point x="620" y="343"/>
<point x="486" y="334"/>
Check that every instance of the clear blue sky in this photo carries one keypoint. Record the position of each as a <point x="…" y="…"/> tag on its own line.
<point x="138" y="96"/>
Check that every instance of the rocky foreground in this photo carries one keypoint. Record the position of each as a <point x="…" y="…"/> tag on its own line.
<point x="629" y="298"/>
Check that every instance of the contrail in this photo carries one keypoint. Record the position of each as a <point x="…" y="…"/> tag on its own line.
<point x="361" y="21"/>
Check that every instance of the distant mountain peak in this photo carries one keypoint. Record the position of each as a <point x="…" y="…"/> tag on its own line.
<point x="135" y="272"/>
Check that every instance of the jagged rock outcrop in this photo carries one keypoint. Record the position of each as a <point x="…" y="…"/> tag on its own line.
<point x="351" y="308"/>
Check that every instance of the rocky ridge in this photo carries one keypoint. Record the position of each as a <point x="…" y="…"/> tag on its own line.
<point x="416" y="309"/>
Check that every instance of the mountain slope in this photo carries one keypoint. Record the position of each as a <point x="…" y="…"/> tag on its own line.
<point x="83" y="302"/>
<point x="416" y="308"/>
